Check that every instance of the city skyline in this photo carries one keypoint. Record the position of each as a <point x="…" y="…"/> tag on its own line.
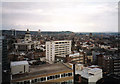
<point x="58" y="16"/>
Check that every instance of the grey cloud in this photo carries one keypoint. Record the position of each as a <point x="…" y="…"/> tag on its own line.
<point x="46" y="12"/>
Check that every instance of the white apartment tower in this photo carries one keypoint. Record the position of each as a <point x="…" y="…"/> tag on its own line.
<point x="57" y="48"/>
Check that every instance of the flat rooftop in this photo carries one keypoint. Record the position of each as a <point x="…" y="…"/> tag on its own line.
<point x="19" y="63"/>
<point x="49" y="68"/>
<point x="85" y="72"/>
<point x="43" y="70"/>
<point x="58" y="40"/>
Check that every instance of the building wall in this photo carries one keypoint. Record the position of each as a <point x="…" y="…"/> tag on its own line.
<point x="28" y="37"/>
<point x="112" y="65"/>
<point x="23" y="46"/>
<point x="77" y="57"/>
<point x="57" y="48"/>
<point x="50" y="51"/>
<point x="62" y="48"/>
<point x="0" y="60"/>
<point x="95" y="78"/>
<point x="19" y="69"/>
<point x="5" y="62"/>
<point x="90" y="57"/>
<point x="100" y="60"/>
<point x="94" y="54"/>
<point x="54" y="77"/>
<point x="116" y="66"/>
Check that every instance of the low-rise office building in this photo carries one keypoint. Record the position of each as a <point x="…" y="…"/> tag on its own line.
<point x="79" y="57"/>
<point x="48" y="73"/>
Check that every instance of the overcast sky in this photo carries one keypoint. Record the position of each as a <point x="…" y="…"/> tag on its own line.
<point x="61" y="16"/>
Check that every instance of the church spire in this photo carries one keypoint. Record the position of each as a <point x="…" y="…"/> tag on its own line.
<point x="28" y="32"/>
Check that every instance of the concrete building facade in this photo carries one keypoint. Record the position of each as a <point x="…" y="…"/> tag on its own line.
<point x="5" y="64"/>
<point x="78" y="57"/>
<point x="57" y="48"/>
<point x="19" y="67"/>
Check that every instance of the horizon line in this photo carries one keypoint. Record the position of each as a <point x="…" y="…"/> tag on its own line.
<point x="69" y="31"/>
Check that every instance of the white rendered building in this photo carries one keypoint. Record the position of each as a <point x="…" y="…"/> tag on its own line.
<point x="57" y="48"/>
<point x="89" y="75"/>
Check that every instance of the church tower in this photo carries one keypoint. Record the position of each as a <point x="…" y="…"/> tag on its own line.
<point x="39" y="35"/>
<point x="28" y="36"/>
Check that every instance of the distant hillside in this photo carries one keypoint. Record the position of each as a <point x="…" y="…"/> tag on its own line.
<point x="9" y="32"/>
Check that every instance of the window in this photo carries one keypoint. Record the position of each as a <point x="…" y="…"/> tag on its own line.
<point x="43" y="79"/>
<point x="51" y="77"/>
<point x="27" y="82"/>
<point x="39" y="79"/>
<point x="64" y="82"/>
<point x="48" y="78"/>
<point x="69" y="74"/>
<point x="21" y="82"/>
<point x="57" y="83"/>
<point x="57" y="76"/>
<point x="66" y="74"/>
<point x="16" y="83"/>
<point x="63" y="75"/>
<point x="69" y="82"/>
<point x="33" y="80"/>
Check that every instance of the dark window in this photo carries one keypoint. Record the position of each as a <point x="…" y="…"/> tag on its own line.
<point x="51" y="77"/>
<point x="63" y="83"/>
<point x="69" y="74"/>
<point x="63" y="75"/>
<point x="57" y="76"/>
<point x="27" y="82"/>
<point x="35" y="80"/>
<point x="21" y="83"/>
<point x="48" y="78"/>
<point x="41" y="79"/>
<point x="17" y="83"/>
<point x="44" y="79"/>
<point x="66" y="74"/>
